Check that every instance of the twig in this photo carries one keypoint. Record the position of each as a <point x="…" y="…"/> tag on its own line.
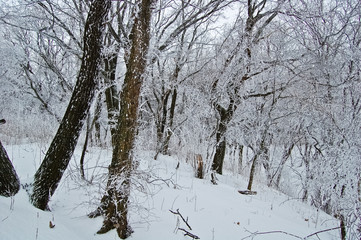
<point x="322" y="231"/>
<point x="270" y="232"/>
<point x="290" y="234"/>
<point x="185" y="221"/>
<point x="189" y="234"/>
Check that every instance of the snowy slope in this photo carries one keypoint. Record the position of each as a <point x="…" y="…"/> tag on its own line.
<point x="214" y="212"/>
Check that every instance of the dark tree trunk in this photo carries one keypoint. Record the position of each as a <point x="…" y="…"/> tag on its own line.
<point x="165" y="149"/>
<point x="252" y="172"/>
<point x="162" y="121"/>
<point x="240" y="160"/>
<point x="111" y="92"/>
<point x="225" y="116"/>
<point x="218" y="159"/>
<point x="95" y="124"/>
<point x="164" y="127"/>
<point x="85" y="146"/>
<point x="9" y="180"/>
<point x="56" y="160"/>
<point x="343" y="227"/>
<point x="114" y="204"/>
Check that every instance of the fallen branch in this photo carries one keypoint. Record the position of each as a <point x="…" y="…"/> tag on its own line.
<point x="186" y="233"/>
<point x="247" y="192"/>
<point x="270" y="232"/>
<point x="253" y="234"/>
<point x="322" y="231"/>
<point x="189" y="234"/>
<point x="185" y="221"/>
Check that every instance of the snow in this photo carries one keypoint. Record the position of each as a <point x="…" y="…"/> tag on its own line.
<point x="213" y="211"/>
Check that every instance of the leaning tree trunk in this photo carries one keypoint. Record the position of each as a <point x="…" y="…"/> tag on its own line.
<point x="9" y="180"/>
<point x="114" y="204"/>
<point x="56" y="160"/>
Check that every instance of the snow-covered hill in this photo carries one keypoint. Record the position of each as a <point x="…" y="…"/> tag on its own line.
<point x="213" y="211"/>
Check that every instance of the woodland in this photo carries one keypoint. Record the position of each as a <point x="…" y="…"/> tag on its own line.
<point x="266" y="89"/>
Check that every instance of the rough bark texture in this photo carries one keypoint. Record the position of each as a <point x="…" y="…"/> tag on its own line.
<point x="225" y="116"/>
<point x="9" y="180"/>
<point x="62" y="147"/>
<point x="111" y="92"/>
<point x="114" y="204"/>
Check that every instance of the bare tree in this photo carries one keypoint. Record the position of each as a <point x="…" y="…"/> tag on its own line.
<point x="114" y="204"/>
<point x="239" y="60"/>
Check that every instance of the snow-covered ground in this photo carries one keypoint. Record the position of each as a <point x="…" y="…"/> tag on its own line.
<point x="213" y="211"/>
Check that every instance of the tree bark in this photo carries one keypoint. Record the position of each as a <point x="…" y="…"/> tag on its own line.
<point x="165" y="149"/>
<point x="114" y="204"/>
<point x="252" y="172"/>
<point x="240" y="159"/>
<point x="56" y="160"/>
<point x="225" y="116"/>
<point x="9" y="180"/>
<point x="111" y="92"/>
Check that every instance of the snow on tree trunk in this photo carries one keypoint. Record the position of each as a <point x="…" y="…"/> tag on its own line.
<point x="114" y="204"/>
<point x="56" y="160"/>
<point x="9" y="181"/>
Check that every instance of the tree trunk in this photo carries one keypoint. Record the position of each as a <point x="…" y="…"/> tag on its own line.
<point x="165" y="149"/>
<point x="240" y="160"/>
<point x="343" y="227"/>
<point x="9" y="180"/>
<point x="225" y="116"/>
<point x="56" y="160"/>
<point x="286" y="154"/>
<point x="114" y="204"/>
<point x="164" y="127"/>
<point x="96" y="122"/>
<point x="199" y="164"/>
<point x="218" y="159"/>
<point x="111" y="92"/>
<point x="85" y="146"/>
<point x="161" y="122"/>
<point x="252" y="172"/>
<point x="306" y="158"/>
<point x="261" y="152"/>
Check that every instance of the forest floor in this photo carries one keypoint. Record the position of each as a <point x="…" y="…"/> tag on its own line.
<point x="214" y="212"/>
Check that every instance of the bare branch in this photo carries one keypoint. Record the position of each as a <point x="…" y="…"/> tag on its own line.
<point x="189" y="234"/>
<point x="185" y="221"/>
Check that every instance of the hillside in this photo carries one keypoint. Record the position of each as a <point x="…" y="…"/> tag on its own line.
<point x="213" y="211"/>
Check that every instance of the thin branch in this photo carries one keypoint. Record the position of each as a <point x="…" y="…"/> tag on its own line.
<point x="322" y="231"/>
<point x="185" y="221"/>
<point x="271" y="232"/>
<point x="189" y="234"/>
<point x="253" y="234"/>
